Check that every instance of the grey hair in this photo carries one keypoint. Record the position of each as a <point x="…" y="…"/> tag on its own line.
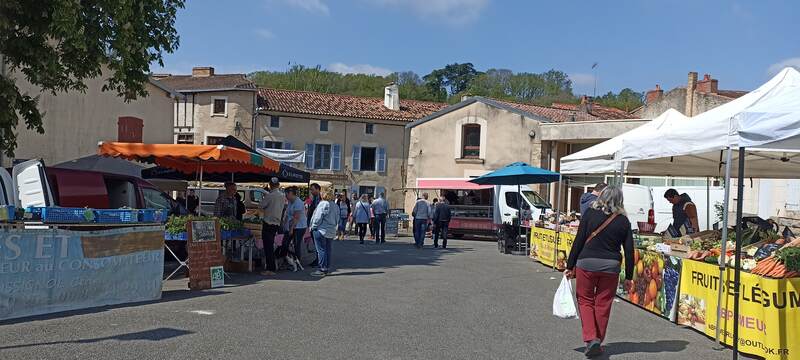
<point x="610" y="201"/>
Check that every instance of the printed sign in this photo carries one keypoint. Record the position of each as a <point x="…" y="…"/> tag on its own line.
<point x="655" y="282"/>
<point x="217" y="277"/>
<point x="47" y="271"/>
<point x="769" y="310"/>
<point x="204" y="231"/>
<point x="543" y="244"/>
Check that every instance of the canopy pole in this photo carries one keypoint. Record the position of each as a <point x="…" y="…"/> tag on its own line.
<point x="200" y="192"/>
<point x="724" y="245"/>
<point x="708" y="203"/>
<point x="737" y="273"/>
<point x="558" y="220"/>
<point x="621" y="174"/>
<point x="519" y="211"/>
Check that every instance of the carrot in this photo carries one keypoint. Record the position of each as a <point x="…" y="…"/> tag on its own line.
<point x="778" y="272"/>
<point x="791" y="274"/>
<point x="769" y="266"/>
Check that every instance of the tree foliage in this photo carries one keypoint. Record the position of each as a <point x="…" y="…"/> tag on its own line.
<point x="543" y="88"/>
<point x="451" y="80"/>
<point x="58" y="44"/>
<point x="627" y="99"/>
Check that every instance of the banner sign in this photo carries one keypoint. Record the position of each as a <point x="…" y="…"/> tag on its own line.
<point x="655" y="282"/>
<point x="769" y="310"/>
<point x="47" y="271"/>
<point x="543" y="244"/>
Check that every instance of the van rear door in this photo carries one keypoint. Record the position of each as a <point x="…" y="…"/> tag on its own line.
<point x="638" y="202"/>
<point x="31" y="186"/>
<point x="6" y="188"/>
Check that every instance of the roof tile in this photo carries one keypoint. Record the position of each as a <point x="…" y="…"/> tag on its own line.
<point x="189" y="83"/>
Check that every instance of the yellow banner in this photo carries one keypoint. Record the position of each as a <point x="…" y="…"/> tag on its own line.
<point x="543" y="243"/>
<point x="769" y="310"/>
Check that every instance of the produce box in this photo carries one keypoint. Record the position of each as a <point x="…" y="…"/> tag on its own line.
<point x="116" y="216"/>
<point x="63" y="215"/>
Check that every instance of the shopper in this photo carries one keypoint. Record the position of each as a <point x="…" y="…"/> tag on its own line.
<point x="351" y="225"/>
<point x="361" y="216"/>
<point x="273" y="206"/>
<point x="324" y="223"/>
<point x="240" y="209"/>
<point x="380" y="208"/>
<point x="313" y="199"/>
<point x="588" y="198"/>
<point x="192" y="202"/>
<point x="343" y="205"/>
<point x="225" y="205"/>
<point x="441" y="219"/>
<point x="370" y="199"/>
<point x="297" y="222"/>
<point x="432" y="227"/>
<point x="595" y="262"/>
<point x="684" y="211"/>
<point x="422" y="217"/>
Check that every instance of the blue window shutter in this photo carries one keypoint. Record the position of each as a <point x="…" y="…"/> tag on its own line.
<point x="287" y="145"/>
<point x="309" y="156"/>
<point x="381" y="159"/>
<point x="259" y="144"/>
<point x="356" y="158"/>
<point x="354" y="190"/>
<point x="379" y="190"/>
<point x="336" y="157"/>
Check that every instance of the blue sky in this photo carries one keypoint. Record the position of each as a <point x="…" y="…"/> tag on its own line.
<point x="637" y="44"/>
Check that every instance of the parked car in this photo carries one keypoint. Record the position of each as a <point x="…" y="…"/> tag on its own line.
<point x="251" y="196"/>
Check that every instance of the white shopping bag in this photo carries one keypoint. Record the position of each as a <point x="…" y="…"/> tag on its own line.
<point x="563" y="305"/>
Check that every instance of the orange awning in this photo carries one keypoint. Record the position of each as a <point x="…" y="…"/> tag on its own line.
<point x="187" y="158"/>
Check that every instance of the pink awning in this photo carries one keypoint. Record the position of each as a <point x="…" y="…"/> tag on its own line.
<point x="449" y="184"/>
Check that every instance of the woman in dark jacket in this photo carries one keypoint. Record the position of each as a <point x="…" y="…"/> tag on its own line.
<point x="595" y="264"/>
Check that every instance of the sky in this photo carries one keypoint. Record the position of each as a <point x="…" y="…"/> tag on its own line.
<point x="636" y="44"/>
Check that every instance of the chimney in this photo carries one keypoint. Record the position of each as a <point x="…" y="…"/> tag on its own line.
<point x="691" y="85"/>
<point x="160" y="76"/>
<point x="586" y="104"/>
<point x="653" y="95"/>
<point x="202" y="71"/>
<point x="707" y="85"/>
<point x="391" y="97"/>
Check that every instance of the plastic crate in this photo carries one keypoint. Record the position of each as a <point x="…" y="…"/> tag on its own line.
<point x="152" y="216"/>
<point x="7" y="213"/>
<point x="175" y="237"/>
<point x="62" y="215"/>
<point x="116" y="216"/>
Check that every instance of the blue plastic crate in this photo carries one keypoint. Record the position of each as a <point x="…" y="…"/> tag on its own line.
<point x="7" y="213"/>
<point x="152" y="216"/>
<point x="122" y="216"/>
<point x="62" y="215"/>
<point x="175" y="237"/>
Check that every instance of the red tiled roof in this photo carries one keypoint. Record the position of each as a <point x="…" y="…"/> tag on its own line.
<point x="552" y="113"/>
<point x="315" y="103"/>
<point x="600" y="111"/>
<point x="189" y="83"/>
<point x="733" y="94"/>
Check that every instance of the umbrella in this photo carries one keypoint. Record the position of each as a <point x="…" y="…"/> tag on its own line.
<point x="519" y="173"/>
<point x="104" y="164"/>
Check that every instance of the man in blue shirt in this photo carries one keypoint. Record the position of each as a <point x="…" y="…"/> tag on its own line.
<point x="380" y="208"/>
<point x="588" y="198"/>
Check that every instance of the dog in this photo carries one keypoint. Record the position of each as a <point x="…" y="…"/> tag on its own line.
<point x="283" y="253"/>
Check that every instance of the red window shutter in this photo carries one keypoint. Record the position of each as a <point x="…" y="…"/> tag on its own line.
<point x="129" y="129"/>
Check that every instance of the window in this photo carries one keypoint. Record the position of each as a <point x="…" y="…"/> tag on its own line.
<point x="471" y="141"/>
<point x="512" y="200"/>
<point x="323" y="125"/>
<point x="367" y="159"/>
<point x="154" y="199"/>
<point x="273" y="144"/>
<point x="220" y="107"/>
<point x="185" y="139"/>
<point x="370" y="190"/>
<point x="214" y="140"/>
<point x="322" y="156"/>
<point x="256" y="195"/>
<point x="369" y="129"/>
<point x="274" y="121"/>
<point x="129" y="129"/>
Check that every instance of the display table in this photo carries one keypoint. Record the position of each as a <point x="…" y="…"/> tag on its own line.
<point x="543" y="246"/>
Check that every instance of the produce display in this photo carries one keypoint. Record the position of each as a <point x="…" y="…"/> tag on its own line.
<point x="784" y="263"/>
<point x="655" y="282"/>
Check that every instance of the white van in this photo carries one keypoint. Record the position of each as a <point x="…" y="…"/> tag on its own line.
<point x="251" y="196"/>
<point x="642" y="200"/>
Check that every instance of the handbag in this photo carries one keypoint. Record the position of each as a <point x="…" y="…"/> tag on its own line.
<point x="600" y="228"/>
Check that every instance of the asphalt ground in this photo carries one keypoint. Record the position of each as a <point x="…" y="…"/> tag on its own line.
<point x="387" y="301"/>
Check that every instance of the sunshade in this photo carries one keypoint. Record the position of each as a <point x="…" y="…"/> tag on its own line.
<point x="188" y="158"/>
<point x="104" y="164"/>
<point x="517" y="173"/>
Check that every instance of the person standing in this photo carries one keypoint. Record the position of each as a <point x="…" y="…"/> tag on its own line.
<point x="380" y="207"/>
<point x="240" y="209"/>
<point x="313" y="199"/>
<point x="588" y="198"/>
<point x="324" y="223"/>
<point x="595" y="262"/>
<point x="432" y="227"/>
<point x="343" y="205"/>
<point x="192" y="202"/>
<point x="225" y="205"/>
<point x="441" y="216"/>
<point x="684" y="211"/>
<point x="361" y="216"/>
<point x="297" y="222"/>
<point x="351" y="225"/>
<point x="272" y="206"/>
<point x="422" y="217"/>
<point x="370" y="199"/>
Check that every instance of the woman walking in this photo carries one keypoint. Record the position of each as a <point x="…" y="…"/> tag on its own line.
<point x="595" y="261"/>
<point x="361" y="217"/>
<point x="324" y="223"/>
<point x="344" y="213"/>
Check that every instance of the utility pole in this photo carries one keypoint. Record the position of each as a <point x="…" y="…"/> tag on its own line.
<point x="594" y="67"/>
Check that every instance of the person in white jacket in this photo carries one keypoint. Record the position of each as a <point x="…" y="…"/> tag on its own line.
<point x="324" y="223"/>
<point x="422" y="214"/>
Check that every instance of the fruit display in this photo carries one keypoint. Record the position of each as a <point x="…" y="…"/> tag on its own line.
<point x="692" y="312"/>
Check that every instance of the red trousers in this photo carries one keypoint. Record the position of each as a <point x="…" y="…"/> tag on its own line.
<point x="595" y="292"/>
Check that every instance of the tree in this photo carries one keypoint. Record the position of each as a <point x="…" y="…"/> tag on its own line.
<point x="627" y="99"/>
<point x="58" y="44"/>
<point x="450" y="80"/>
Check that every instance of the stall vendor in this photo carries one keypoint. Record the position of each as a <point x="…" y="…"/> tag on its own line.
<point x="684" y="211"/>
<point x="225" y="205"/>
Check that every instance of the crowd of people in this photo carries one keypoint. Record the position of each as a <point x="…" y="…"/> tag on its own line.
<point x="433" y="216"/>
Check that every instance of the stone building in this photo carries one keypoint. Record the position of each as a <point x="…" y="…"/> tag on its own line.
<point x="696" y="97"/>
<point x="212" y="106"/>
<point x="353" y="143"/>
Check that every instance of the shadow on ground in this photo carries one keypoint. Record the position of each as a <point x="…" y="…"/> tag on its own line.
<point x="149" y="335"/>
<point x="655" y="347"/>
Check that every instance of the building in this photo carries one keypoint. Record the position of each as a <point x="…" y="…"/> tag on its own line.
<point x="479" y="135"/>
<point x="354" y="143"/>
<point x="212" y="107"/>
<point x="698" y="96"/>
<point x="74" y="122"/>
